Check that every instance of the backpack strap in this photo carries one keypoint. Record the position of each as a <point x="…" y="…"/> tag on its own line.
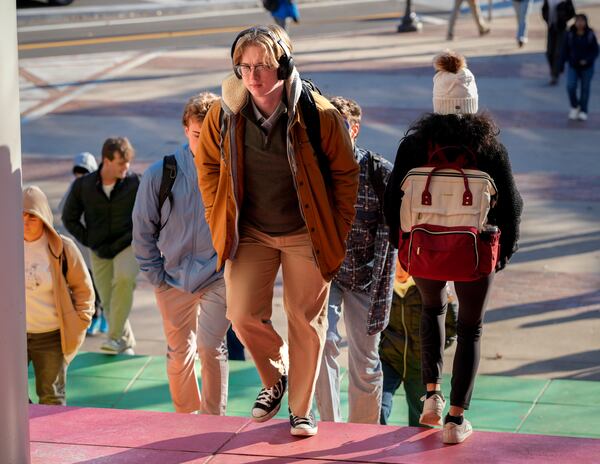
<point x="376" y="178"/>
<point x="64" y="263"/>
<point x="169" y="173"/>
<point x="222" y="132"/>
<point x="310" y="113"/>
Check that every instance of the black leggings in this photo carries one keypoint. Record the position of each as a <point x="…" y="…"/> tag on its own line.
<point x="472" y="299"/>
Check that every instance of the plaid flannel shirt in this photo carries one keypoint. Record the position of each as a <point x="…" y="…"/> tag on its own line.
<point x="370" y="261"/>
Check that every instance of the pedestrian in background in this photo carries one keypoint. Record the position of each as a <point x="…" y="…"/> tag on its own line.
<point x="400" y="347"/>
<point x="475" y="11"/>
<point x="83" y="164"/>
<point x="282" y="11"/>
<point x="455" y="123"/>
<point x="173" y="247"/>
<point x="59" y="298"/>
<point x="361" y="292"/>
<point x="580" y="50"/>
<point x="522" y="8"/>
<point x="556" y="13"/>
<point x="97" y="213"/>
<point x="286" y="10"/>
<point x="269" y="206"/>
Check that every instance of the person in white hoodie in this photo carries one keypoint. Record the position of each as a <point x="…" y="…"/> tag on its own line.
<point x="59" y="298"/>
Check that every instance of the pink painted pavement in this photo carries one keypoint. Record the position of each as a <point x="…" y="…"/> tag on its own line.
<point x="73" y="435"/>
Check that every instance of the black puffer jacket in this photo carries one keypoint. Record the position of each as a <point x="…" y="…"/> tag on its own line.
<point x="580" y="51"/>
<point x="492" y="158"/>
<point x="107" y="225"/>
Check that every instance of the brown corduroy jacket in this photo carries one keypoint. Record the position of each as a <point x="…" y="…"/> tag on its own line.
<point x="328" y="211"/>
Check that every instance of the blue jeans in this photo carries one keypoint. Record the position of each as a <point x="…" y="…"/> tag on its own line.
<point x="583" y="76"/>
<point x="364" y="367"/>
<point x="522" y="8"/>
<point x="414" y="388"/>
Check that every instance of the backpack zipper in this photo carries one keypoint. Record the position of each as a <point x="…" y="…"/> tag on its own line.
<point x="431" y="232"/>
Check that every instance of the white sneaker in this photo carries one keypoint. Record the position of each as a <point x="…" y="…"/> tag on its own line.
<point x="433" y="408"/>
<point x="582" y="116"/>
<point x="574" y="113"/>
<point x="111" y="346"/>
<point x="454" y="433"/>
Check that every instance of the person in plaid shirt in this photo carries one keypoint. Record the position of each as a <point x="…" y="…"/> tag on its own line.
<point x="361" y="291"/>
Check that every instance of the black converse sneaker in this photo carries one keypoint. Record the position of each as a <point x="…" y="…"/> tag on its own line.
<point x="268" y="400"/>
<point x="303" y="426"/>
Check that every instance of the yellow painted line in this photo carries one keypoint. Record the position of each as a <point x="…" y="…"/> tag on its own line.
<point x="128" y="38"/>
<point x="172" y="35"/>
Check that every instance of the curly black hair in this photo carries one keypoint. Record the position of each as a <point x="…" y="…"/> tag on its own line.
<point x="476" y="131"/>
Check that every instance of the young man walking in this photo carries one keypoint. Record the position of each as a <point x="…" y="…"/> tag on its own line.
<point x="361" y="292"/>
<point x="270" y="204"/>
<point x="174" y="250"/>
<point x="104" y="200"/>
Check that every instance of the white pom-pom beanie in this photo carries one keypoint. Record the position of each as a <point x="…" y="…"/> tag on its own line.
<point x="455" y="93"/>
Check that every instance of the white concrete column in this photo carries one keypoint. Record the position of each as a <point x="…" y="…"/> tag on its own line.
<point x="14" y="422"/>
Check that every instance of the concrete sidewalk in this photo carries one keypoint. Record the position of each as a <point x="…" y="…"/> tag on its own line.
<point x="543" y="319"/>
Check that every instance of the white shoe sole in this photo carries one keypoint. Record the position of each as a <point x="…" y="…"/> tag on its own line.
<point x="268" y="416"/>
<point x="450" y="438"/>
<point x="430" y="418"/>
<point x="108" y="351"/>
<point x="304" y="432"/>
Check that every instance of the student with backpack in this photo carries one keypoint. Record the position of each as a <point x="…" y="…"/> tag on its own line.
<point x="83" y="164"/>
<point x="454" y="148"/>
<point x="273" y="200"/>
<point x="361" y="292"/>
<point x="172" y="245"/>
<point x="580" y="50"/>
<point x="59" y="298"/>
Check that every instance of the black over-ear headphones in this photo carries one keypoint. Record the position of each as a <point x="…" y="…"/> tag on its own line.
<point x="285" y="62"/>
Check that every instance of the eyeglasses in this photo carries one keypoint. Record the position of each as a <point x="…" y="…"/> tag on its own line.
<point x="245" y="69"/>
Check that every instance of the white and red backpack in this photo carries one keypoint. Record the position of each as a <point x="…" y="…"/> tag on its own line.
<point x="443" y="216"/>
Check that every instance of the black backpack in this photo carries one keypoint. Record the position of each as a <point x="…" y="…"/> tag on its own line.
<point x="309" y="110"/>
<point x="169" y="173"/>
<point x="313" y="130"/>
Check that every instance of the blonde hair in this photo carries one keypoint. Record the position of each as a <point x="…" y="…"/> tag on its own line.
<point x="197" y="107"/>
<point x="349" y="109"/>
<point x="258" y="36"/>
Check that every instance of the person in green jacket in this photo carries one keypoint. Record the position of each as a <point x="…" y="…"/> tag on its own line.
<point x="400" y="346"/>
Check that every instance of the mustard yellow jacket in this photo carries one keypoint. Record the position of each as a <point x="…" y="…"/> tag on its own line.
<point x="328" y="211"/>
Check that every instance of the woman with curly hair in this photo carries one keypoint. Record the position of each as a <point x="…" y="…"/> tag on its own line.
<point x="455" y="123"/>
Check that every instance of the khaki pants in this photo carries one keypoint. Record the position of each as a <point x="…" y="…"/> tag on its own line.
<point x="250" y="278"/>
<point x="196" y="322"/>
<point x="475" y="11"/>
<point x="44" y="350"/>
<point x="115" y="281"/>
